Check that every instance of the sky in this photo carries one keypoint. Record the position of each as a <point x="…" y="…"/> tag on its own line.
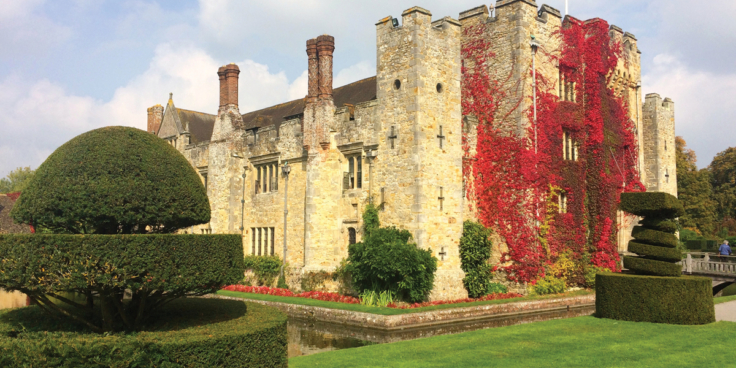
<point x="70" y="66"/>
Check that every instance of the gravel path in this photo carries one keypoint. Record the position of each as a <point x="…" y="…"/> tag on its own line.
<point x="726" y="311"/>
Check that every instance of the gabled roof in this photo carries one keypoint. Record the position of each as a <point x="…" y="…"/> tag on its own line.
<point x="353" y="93"/>
<point x="200" y="124"/>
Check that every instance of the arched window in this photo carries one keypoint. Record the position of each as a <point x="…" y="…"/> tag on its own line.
<point x="351" y="235"/>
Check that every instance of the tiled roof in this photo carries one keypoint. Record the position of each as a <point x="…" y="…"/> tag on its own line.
<point x="7" y="226"/>
<point x="200" y="124"/>
<point x="353" y="93"/>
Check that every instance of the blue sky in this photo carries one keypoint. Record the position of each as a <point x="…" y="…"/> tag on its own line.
<point x="70" y="66"/>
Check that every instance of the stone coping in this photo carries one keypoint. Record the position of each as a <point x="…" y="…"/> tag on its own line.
<point x="428" y="318"/>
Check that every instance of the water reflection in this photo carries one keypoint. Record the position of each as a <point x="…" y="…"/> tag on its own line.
<point x="310" y="337"/>
<point x="12" y="299"/>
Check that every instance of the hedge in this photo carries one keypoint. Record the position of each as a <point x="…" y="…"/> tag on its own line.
<point x="655" y="252"/>
<point x="660" y="223"/>
<point x="645" y="266"/>
<point x="158" y="267"/>
<point x="682" y="300"/>
<point x="656" y="204"/>
<point x="187" y="333"/>
<point x="696" y="244"/>
<point x="114" y="180"/>
<point x="654" y="237"/>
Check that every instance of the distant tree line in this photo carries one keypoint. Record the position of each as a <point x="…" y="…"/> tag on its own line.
<point x="708" y="194"/>
<point x="16" y="180"/>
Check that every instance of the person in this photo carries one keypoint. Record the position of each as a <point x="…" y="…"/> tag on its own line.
<point x="725" y="249"/>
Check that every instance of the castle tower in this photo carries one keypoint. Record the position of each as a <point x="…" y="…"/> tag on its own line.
<point x="324" y="174"/>
<point x="420" y="138"/>
<point x="226" y="167"/>
<point x="658" y="144"/>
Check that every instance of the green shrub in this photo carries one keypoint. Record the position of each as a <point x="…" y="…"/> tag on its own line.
<point x="370" y="219"/>
<point x="344" y="278"/>
<point x="654" y="252"/>
<point x="496" y="288"/>
<point x="314" y="280"/>
<point x="281" y="284"/>
<point x="475" y="252"/>
<point x="665" y="224"/>
<point x="186" y="333"/>
<point x="265" y="268"/>
<point x="386" y="261"/>
<point x="549" y="285"/>
<point x="374" y="299"/>
<point x="590" y="273"/>
<point x="654" y="237"/>
<point x="695" y="244"/>
<point x="643" y="266"/>
<point x="655" y="204"/>
<point x="114" y="180"/>
<point x="154" y="268"/>
<point x="676" y="300"/>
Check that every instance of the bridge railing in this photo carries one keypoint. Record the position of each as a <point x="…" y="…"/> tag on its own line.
<point x="702" y="262"/>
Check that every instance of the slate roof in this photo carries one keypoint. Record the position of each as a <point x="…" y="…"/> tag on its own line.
<point x="200" y="124"/>
<point x="7" y="226"/>
<point x="353" y="93"/>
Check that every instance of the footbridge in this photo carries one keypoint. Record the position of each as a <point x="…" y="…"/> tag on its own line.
<point x="722" y="269"/>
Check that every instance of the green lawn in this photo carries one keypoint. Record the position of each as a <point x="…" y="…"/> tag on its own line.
<point x="387" y="311"/>
<point x="575" y="342"/>
<point x="723" y="299"/>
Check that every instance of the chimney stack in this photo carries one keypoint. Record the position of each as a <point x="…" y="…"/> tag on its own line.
<point x="228" y="84"/>
<point x="155" y="117"/>
<point x="312" y="71"/>
<point x="325" y="47"/>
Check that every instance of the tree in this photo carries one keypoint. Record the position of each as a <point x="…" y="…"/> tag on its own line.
<point x="114" y="180"/>
<point x="694" y="191"/>
<point x="723" y="179"/>
<point x="16" y="180"/>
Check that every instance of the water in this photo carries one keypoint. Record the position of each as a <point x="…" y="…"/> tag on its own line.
<point x="308" y="337"/>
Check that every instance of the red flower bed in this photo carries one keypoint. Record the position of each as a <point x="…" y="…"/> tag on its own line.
<point x="334" y="297"/>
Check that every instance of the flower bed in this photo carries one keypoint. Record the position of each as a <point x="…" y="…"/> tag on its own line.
<point x="334" y="297"/>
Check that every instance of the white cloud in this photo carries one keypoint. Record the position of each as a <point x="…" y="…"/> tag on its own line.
<point x="23" y="30"/>
<point x="353" y="73"/>
<point x="704" y="104"/>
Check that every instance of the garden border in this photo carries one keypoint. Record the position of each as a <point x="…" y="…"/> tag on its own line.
<point x="427" y="318"/>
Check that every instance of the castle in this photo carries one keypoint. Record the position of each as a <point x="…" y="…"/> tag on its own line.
<point x="395" y="138"/>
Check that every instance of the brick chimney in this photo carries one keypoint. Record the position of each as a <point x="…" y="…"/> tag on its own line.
<point x="312" y="71"/>
<point x="155" y="117"/>
<point x="325" y="47"/>
<point x="228" y="84"/>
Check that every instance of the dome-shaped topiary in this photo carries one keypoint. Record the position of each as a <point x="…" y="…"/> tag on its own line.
<point x="114" y="180"/>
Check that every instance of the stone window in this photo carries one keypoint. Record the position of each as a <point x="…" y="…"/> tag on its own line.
<point x="266" y="178"/>
<point x="351" y="235"/>
<point x="569" y="147"/>
<point x="567" y="89"/>
<point x="206" y="231"/>
<point x="262" y="241"/>
<point x="353" y="178"/>
<point x="562" y="202"/>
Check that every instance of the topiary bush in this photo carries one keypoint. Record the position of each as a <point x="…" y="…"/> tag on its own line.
<point x="386" y="261"/>
<point x="114" y="180"/>
<point x="108" y="182"/>
<point x="677" y="300"/>
<point x="654" y="241"/>
<point x="186" y="333"/>
<point x="154" y="269"/>
<point x="475" y="253"/>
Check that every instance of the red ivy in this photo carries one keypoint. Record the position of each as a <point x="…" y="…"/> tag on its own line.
<point x="512" y="176"/>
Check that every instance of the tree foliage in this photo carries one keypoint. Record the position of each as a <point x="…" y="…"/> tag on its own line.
<point x="695" y="191"/>
<point x="17" y="180"/>
<point x="114" y="180"/>
<point x="723" y="179"/>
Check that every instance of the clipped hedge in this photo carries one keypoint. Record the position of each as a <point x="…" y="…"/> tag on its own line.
<point x="151" y="267"/>
<point x="644" y="266"/>
<point x="695" y="244"/>
<point x="655" y="204"/>
<point x="654" y="237"/>
<point x="682" y="300"/>
<point x="656" y="253"/>
<point x="187" y="333"/>
<point x="660" y="223"/>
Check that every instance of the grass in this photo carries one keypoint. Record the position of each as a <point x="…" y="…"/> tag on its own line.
<point x="723" y="299"/>
<point x="574" y="342"/>
<point x="387" y="311"/>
